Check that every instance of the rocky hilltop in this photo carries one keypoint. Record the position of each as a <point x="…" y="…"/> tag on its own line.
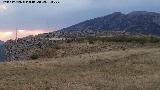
<point x="25" y="47"/>
<point x="138" y="21"/>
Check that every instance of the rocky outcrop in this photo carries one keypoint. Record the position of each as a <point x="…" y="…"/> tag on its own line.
<point x="25" y="47"/>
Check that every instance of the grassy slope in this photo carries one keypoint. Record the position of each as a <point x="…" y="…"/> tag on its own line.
<point x="134" y="69"/>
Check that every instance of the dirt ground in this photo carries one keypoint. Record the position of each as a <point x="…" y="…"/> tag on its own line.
<point x="131" y="69"/>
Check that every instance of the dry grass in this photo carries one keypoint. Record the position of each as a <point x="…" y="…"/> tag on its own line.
<point x="133" y="69"/>
<point x="75" y="48"/>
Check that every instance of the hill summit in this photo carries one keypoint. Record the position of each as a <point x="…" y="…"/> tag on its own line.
<point x="137" y="21"/>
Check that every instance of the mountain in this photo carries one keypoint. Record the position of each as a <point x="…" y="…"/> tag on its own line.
<point x="2" y="52"/>
<point x="137" y="21"/>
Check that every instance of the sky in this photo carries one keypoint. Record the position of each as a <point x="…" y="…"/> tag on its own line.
<point x="32" y="19"/>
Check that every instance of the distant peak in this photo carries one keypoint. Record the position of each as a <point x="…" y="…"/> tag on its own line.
<point x="117" y="13"/>
<point x="142" y="13"/>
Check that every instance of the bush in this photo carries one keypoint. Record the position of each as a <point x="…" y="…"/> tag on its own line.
<point x="138" y="39"/>
<point x="125" y="38"/>
<point x="154" y="39"/>
<point x="91" y="39"/>
<point x="69" y="41"/>
<point x="34" y="56"/>
<point x="91" y="42"/>
<point x="56" y="46"/>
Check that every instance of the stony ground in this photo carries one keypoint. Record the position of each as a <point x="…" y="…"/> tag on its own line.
<point x="132" y="69"/>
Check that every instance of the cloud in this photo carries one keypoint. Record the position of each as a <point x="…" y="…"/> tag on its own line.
<point x="10" y="34"/>
<point x="2" y="8"/>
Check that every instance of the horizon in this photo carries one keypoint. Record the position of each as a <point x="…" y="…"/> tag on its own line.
<point x="52" y="17"/>
<point x="11" y="35"/>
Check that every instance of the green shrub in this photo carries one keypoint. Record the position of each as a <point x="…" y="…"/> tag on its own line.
<point x="91" y="39"/>
<point x="91" y="42"/>
<point x="125" y="38"/>
<point x="80" y="40"/>
<point x="34" y="56"/>
<point x="154" y="39"/>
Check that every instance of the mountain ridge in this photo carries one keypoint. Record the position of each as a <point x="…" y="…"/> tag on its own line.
<point x="137" y="21"/>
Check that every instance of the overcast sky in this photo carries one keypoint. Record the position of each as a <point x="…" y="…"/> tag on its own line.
<point x="49" y="17"/>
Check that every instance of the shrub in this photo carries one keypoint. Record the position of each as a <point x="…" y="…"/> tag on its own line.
<point x="80" y="40"/>
<point x="56" y="46"/>
<point x="126" y="38"/>
<point x="69" y="41"/>
<point x="91" y="42"/>
<point x="34" y="56"/>
<point x="91" y="39"/>
<point x="154" y="39"/>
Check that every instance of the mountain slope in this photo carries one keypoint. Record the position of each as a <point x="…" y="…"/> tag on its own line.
<point x="138" y="21"/>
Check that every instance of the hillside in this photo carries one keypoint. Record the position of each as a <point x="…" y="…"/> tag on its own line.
<point x="136" y="22"/>
<point x="117" y="27"/>
<point x="34" y="48"/>
<point x="133" y="69"/>
<point x="44" y="46"/>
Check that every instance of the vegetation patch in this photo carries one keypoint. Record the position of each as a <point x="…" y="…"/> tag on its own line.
<point x="34" y="56"/>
